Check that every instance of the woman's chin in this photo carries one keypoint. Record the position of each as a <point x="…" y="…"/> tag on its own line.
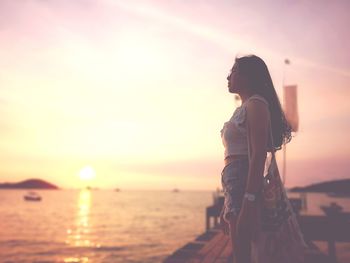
<point x="231" y="90"/>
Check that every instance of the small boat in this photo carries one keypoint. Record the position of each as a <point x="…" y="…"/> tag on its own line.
<point x="32" y="196"/>
<point x="91" y="188"/>
<point x="117" y="189"/>
<point x="334" y="210"/>
<point x="175" y="190"/>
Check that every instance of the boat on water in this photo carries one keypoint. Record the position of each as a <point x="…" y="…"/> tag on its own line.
<point x="335" y="210"/>
<point x="32" y="196"/>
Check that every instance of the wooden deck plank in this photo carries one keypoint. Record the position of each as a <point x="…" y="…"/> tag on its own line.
<point x="185" y="253"/>
<point x="227" y="253"/>
<point x="211" y="244"/>
<point x="209" y="248"/>
<point x="215" y="253"/>
<point x="219" y="250"/>
<point x="214" y="246"/>
<point x="194" y="251"/>
<point x="208" y="235"/>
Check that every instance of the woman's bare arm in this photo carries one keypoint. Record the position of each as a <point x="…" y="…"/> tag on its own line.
<point x="257" y="122"/>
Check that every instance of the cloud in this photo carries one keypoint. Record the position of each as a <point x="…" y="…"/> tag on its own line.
<point x="232" y="43"/>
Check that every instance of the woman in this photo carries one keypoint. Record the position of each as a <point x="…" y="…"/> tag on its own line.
<point x="246" y="140"/>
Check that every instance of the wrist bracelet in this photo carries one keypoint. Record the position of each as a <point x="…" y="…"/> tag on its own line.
<point x="249" y="196"/>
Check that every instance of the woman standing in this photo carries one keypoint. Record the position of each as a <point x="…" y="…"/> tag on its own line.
<point x="246" y="140"/>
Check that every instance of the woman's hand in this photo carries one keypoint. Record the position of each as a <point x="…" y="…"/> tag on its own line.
<point x="248" y="221"/>
<point x="246" y="226"/>
<point x="224" y="226"/>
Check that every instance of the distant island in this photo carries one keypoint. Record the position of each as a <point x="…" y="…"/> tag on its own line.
<point x="336" y="186"/>
<point x="29" y="184"/>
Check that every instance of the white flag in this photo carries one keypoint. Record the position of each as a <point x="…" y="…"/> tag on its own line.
<point x="291" y="106"/>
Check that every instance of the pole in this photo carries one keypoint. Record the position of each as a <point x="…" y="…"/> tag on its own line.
<point x="284" y="164"/>
<point x="284" y="170"/>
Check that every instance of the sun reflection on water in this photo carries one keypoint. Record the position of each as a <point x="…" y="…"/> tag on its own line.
<point x="79" y="234"/>
<point x="73" y="259"/>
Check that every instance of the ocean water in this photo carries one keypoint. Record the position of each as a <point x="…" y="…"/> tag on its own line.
<point x="108" y="226"/>
<point x="99" y="225"/>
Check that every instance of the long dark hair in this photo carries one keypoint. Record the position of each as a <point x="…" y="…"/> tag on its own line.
<point x="259" y="81"/>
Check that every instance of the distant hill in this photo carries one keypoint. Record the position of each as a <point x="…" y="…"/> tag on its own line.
<point x="29" y="184"/>
<point x="337" y="186"/>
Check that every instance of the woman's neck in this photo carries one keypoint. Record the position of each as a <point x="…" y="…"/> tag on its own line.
<point x="245" y="96"/>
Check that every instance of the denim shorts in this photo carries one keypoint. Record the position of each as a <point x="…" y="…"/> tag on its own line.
<point x="234" y="179"/>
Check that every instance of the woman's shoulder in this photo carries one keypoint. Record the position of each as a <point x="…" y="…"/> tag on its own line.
<point x="240" y="114"/>
<point x="258" y="106"/>
<point x="256" y="97"/>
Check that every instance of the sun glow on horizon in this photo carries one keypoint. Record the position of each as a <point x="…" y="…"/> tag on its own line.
<point x="136" y="91"/>
<point x="87" y="173"/>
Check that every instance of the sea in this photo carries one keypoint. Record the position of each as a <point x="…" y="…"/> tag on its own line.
<point x="111" y="226"/>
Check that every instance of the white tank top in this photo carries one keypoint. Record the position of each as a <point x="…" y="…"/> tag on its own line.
<point x="234" y="133"/>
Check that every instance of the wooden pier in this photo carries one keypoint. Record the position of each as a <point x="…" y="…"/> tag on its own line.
<point x="213" y="246"/>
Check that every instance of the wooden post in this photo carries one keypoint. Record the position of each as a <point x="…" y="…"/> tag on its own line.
<point x="303" y="198"/>
<point x="207" y="220"/>
<point x="331" y="251"/>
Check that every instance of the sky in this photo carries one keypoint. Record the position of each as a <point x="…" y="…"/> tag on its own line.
<point x="135" y="92"/>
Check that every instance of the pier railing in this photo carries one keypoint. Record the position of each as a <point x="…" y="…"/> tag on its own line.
<point x="213" y="246"/>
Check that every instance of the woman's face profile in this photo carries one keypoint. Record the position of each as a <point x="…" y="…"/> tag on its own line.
<point x="233" y="80"/>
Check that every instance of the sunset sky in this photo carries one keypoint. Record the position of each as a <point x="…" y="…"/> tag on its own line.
<point x="136" y="90"/>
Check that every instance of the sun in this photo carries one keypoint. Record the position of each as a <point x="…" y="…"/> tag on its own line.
<point x="87" y="173"/>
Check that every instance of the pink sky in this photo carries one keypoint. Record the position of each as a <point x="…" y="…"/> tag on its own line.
<point x="137" y="89"/>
